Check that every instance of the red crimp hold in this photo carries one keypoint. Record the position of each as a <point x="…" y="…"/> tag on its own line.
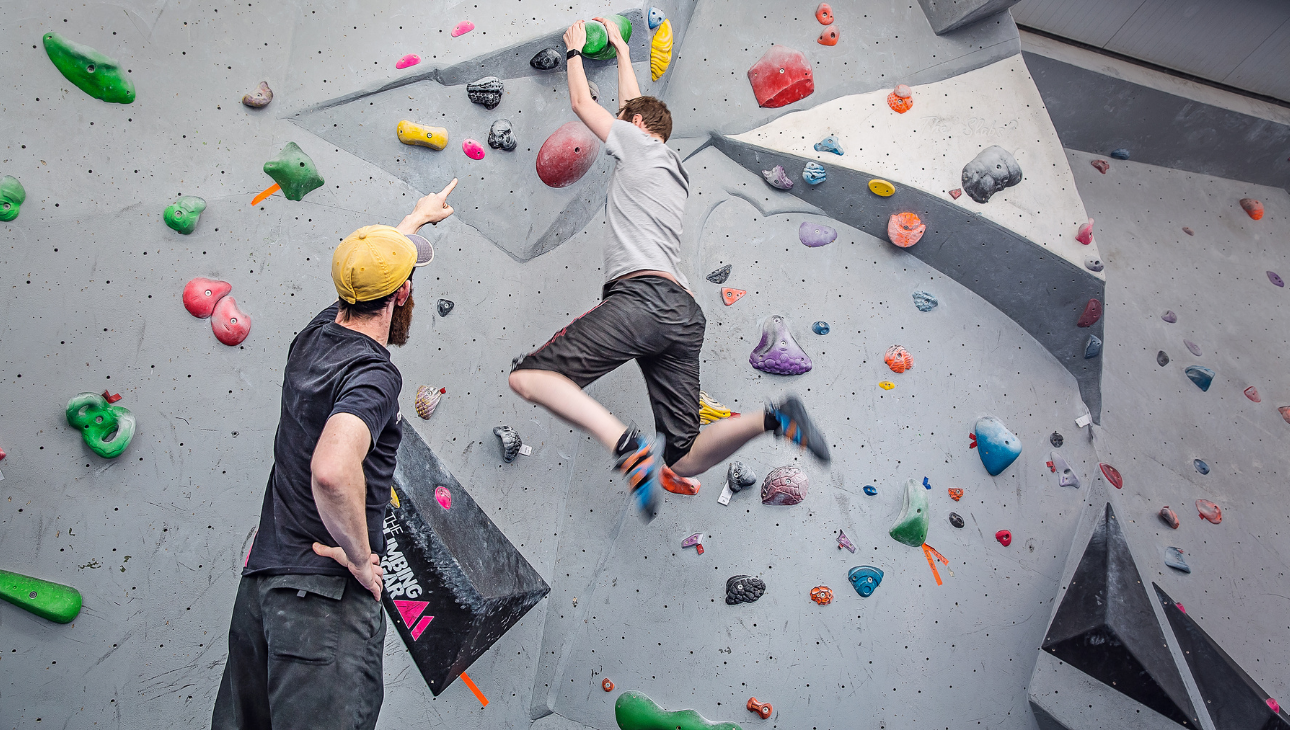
<point x="2" y="454"/>
<point x="1092" y="313"/>
<point x="763" y="709"/>
<point x="1004" y="537"/>
<point x="110" y="397"/>
<point x="1112" y="475"/>
<point x="972" y="441"/>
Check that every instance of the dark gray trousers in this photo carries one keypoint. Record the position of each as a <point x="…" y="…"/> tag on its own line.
<point x="304" y="652"/>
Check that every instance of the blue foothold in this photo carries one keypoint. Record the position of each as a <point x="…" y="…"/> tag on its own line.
<point x="1201" y="466"/>
<point x="656" y="18"/>
<point x="814" y="173"/>
<point x="926" y="484"/>
<point x="924" y="301"/>
<point x="865" y="578"/>
<point x="820" y="328"/>
<point x="1174" y="559"/>
<point x="1201" y="376"/>
<point x="996" y="445"/>
<point x="1093" y="347"/>
<point x="870" y="490"/>
<point x="829" y="144"/>
<point x="1120" y="153"/>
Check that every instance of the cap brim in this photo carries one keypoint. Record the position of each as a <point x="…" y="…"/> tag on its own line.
<point x="425" y="252"/>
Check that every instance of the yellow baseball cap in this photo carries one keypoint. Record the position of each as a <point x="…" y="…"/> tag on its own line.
<point x="374" y="261"/>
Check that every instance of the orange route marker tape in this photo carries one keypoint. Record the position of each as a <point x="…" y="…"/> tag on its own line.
<point x="483" y="701"/>
<point x="270" y="191"/>
<point x="929" y="551"/>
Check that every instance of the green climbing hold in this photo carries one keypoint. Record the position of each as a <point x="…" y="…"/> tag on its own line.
<point x="294" y="172"/>
<point x="92" y="72"/>
<point x="12" y="196"/>
<point x="52" y="601"/>
<point x="598" y="45"/>
<point x="107" y="429"/>
<point x="182" y="214"/>
<point x="636" y="711"/>
<point x="911" y="526"/>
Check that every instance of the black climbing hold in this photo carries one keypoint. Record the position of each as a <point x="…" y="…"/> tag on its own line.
<point x="444" y="306"/>
<point x="511" y="442"/>
<point x="740" y="477"/>
<point x="486" y="91"/>
<point x="1120" y="153"/>
<point x="500" y="136"/>
<point x="1106" y="628"/>
<point x="1056" y="440"/>
<point x="955" y="519"/>
<point x="720" y="275"/>
<point x="546" y="59"/>
<point x="1162" y="359"/>
<point x="1200" y="465"/>
<point x="744" y="589"/>
<point x="989" y="172"/>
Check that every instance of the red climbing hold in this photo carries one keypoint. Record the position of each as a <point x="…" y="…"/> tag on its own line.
<point x="1285" y="413"/>
<point x="1169" y="517"/>
<point x="567" y="155"/>
<point x="111" y="397"/>
<point x="201" y="295"/>
<point x="230" y="324"/>
<point x="824" y="14"/>
<point x="955" y="493"/>
<point x="607" y="684"/>
<point x="1253" y="207"/>
<point x="1112" y="475"/>
<point x="1004" y="537"/>
<point x="1092" y="313"/>
<point x="1101" y="165"/>
<point x="1253" y="394"/>
<point x="730" y="296"/>
<point x="781" y="77"/>
<point x="1209" y="511"/>
<point x="763" y="709"/>
<point x="828" y="36"/>
<point x="1085" y="233"/>
<point x="956" y="192"/>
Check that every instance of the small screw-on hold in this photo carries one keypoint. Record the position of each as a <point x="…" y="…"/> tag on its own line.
<point x="607" y="684"/>
<point x="763" y="709"/>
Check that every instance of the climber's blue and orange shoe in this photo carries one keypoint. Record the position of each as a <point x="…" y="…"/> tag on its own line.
<point x="643" y="466"/>
<point x="789" y="421"/>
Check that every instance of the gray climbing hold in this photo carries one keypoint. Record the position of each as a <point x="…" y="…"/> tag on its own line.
<point x="444" y="306"/>
<point x="743" y="589"/>
<point x="595" y="90"/>
<point x="1120" y="153"/>
<point x="1174" y="559"/>
<point x="740" y="477"/>
<point x="814" y="173"/>
<point x="1162" y="359"/>
<point x="1195" y="349"/>
<point x="1200" y="465"/>
<point x="1093" y="264"/>
<point x="814" y="235"/>
<point x="989" y="172"/>
<point x="1169" y="316"/>
<point x="500" y="136"/>
<point x="829" y="144"/>
<point x="720" y="275"/>
<point x="1201" y="376"/>
<point x="1092" y="347"/>
<point x="924" y="301"/>
<point x="511" y="442"/>
<point x="486" y="92"/>
<point x="1066" y="477"/>
<point x="777" y="178"/>
<point x="546" y="59"/>
<point x="1056" y="440"/>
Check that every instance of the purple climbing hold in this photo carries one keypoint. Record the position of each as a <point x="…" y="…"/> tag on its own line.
<point x="778" y="352"/>
<point x="1188" y="231"/>
<point x="1276" y="279"/>
<point x="1195" y="349"/>
<point x="1092" y="313"/>
<point x="785" y="485"/>
<point x="1169" y="316"/>
<point x="778" y="178"/>
<point x="845" y="542"/>
<point x="814" y="235"/>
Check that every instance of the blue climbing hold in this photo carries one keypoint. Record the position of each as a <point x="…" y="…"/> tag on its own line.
<point x="926" y="484"/>
<point x="1120" y="153"/>
<point x="1201" y="376"/>
<point x="814" y="173"/>
<point x="865" y="578"/>
<point x="924" y="301"/>
<point x="996" y="445"/>
<point x="1093" y="347"/>
<point x="656" y="19"/>
<point x="870" y="490"/>
<point x="820" y="328"/>
<point x="1174" y="559"/>
<point x="1200" y="465"/>
<point x="829" y="144"/>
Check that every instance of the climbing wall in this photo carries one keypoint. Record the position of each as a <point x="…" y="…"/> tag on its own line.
<point x="154" y="538"/>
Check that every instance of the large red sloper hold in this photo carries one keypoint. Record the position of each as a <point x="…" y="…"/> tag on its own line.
<point x="201" y="295"/>
<point x="567" y="155"/>
<point x="781" y="77"/>
<point x="230" y="324"/>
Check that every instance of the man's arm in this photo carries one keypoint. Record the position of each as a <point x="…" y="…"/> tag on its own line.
<point x="628" y="89"/>
<point x="340" y="492"/>
<point x="597" y="119"/>
<point x="430" y="209"/>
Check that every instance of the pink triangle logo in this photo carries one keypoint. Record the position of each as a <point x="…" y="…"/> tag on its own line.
<point x="409" y="610"/>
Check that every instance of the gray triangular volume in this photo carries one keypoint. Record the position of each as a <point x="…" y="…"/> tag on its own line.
<point x="1233" y="699"/>
<point x="1106" y="627"/>
<point x="1044" y="720"/>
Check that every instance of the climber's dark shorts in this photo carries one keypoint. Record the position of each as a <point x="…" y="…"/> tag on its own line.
<point x="648" y="319"/>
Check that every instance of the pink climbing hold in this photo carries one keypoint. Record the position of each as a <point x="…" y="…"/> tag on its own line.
<point x="463" y="28"/>
<point x="1253" y="394"/>
<point x="1101" y="165"/>
<point x="1209" y="511"/>
<point x="1272" y="705"/>
<point x="1092" y="313"/>
<point x="443" y="497"/>
<point x="1085" y="233"/>
<point x="411" y="59"/>
<point x="567" y="155"/>
<point x="956" y="192"/>
<point x="473" y="149"/>
<point x="1180" y="607"/>
<point x="1285" y="413"/>
<point x="781" y="77"/>
<point x="1004" y="537"/>
<point x="230" y="324"/>
<point x="201" y="295"/>
<point x="1276" y="279"/>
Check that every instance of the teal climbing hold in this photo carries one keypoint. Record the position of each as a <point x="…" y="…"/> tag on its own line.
<point x="829" y="144"/>
<point x="911" y="525"/>
<point x="1201" y="376"/>
<point x="1092" y="347"/>
<point x="814" y="173"/>
<point x="865" y="579"/>
<point x="996" y="445"/>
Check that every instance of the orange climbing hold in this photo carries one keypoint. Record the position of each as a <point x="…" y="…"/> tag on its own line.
<point x="828" y="36"/>
<point x="607" y="684"/>
<point x="956" y="494"/>
<point x="824" y="14"/>
<point x="730" y="296"/>
<point x="1285" y="413"/>
<point x="1253" y="207"/>
<point x="763" y="709"/>
<point x="898" y="358"/>
<point x="905" y="229"/>
<point x="677" y="484"/>
<point x="901" y="99"/>
<point x="822" y="595"/>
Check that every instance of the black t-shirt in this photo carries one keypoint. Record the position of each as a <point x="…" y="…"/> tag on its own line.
<point x="330" y="369"/>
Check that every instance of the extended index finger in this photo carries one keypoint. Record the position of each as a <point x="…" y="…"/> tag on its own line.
<point x="448" y="189"/>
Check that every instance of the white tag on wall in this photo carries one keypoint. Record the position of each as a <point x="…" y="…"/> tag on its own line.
<point x="726" y="494"/>
<point x="526" y="450"/>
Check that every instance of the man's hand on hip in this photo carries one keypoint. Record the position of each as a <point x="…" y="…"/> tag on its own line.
<point x="369" y="574"/>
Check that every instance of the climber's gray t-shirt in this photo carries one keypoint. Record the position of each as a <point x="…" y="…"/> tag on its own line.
<point x="647" y="193"/>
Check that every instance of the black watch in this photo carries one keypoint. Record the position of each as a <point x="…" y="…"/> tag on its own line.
<point x="572" y="52"/>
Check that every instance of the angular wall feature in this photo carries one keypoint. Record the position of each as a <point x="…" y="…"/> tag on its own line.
<point x="949" y="15"/>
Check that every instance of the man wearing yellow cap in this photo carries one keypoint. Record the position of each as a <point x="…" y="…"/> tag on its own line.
<point x="305" y="643"/>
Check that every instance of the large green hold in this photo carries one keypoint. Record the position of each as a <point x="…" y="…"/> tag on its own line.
<point x="52" y="601"/>
<point x="182" y="214"/>
<point x="12" y="196"/>
<point x="107" y="429"/>
<point x="294" y="172"/>
<point x="94" y="73"/>
<point x="635" y="711"/>
<point x="598" y="45"/>
<point x="911" y="526"/>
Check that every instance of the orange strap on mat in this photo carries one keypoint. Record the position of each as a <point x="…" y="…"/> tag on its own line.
<point x="483" y="701"/>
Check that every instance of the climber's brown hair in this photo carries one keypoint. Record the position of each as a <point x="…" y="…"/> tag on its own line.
<point x="654" y="115"/>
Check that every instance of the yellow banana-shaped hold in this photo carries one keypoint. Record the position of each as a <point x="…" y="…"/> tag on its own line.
<point x="436" y="138"/>
<point x="709" y="409"/>
<point x="660" y="53"/>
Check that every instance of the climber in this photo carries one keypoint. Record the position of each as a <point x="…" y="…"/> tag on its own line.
<point x="305" y="644"/>
<point x="647" y="312"/>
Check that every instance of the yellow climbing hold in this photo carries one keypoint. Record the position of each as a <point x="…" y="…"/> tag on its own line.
<point x="436" y="138"/>
<point x="886" y="385"/>
<point x="882" y="187"/>
<point x="394" y="498"/>
<point x="709" y="409"/>
<point x="660" y="50"/>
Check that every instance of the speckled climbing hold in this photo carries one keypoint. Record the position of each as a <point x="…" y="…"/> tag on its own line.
<point x="1101" y="165"/>
<point x="1120" y="153"/>
<point x="991" y="171"/>
<point x="1169" y="517"/>
<point x="598" y="46"/>
<point x="814" y="235"/>
<point x="1093" y="263"/>
<point x="865" y="579"/>
<point x="420" y="135"/>
<point x="12" y="196"/>
<point x="259" y="98"/>
<point x="814" y="173"/>
<point x="829" y="144"/>
<point x="886" y="384"/>
<point x="50" y="601"/>
<point x="635" y="711"/>
<point x="182" y="214"/>
<point x="822" y="595"/>
<point x="1169" y="316"/>
<point x="510" y="441"/>
<point x="910" y="527"/>
<point x="731" y="295"/>
<point x="660" y="51"/>
<point x="1056" y="439"/>
<point x="1066" y="477"/>
<point x="824" y="14"/>
<point x="719" y="276"/>
<point x="898" y="358"/>
<point x="924" y="301"/>
<point x="781" y="77"/>
<point x="1085" y="233"/>
<point x="229" y="323"/>
<point x="1174" y="559"/>
<point x="739" y="476"/>
<point x="462" y="28"/>
<point x="871" y="490"/>
<point x="956" y="520"/>
<point x="655" y="18"/>
<point x="1253" y="394"/>
<point x="1195" y="349"/>
<point x="92" y="72"/>
<point x="1092" y="347"/>
<point x="501" y="136"/>
<point x="407" y="61"/>
<point x="546" y="59"/>
<point x="995" y="444"/>
<point x="607" y="684"/>
<point x="905" y="229"/>
<point x="567" y="155"/>
<point x="820" y="328"/>
<point x="106" y="429"/>
<point x="901" y="99"/>
<point x="1200" y="375"/>
<point x="1285" y="413"/>
<point x="1188" y="231"/>
<point x="777" y="178"/>
<point x="427" y="400"/>
<point x="1092" y="313"/>
<point x="472" y="149"/>
<point x="778" y="352"/>
<point x="743" y="589"/>
<point x="784" y="486"/>
<point x="1276" y="279"/>
<point x="1209" y="511"/>
<point x="828" y="36"/>
<point x="882" y="188"/>
<point x="1253" y="208"/>
<point x="1162" y="358"/>
<point x="1112" y="475"/>
<point x="710" y="411"/>
<point x="487" y="92"/>
<point x="764" y="709"/>
<point x="444" y="306"/>
<point x="294" y="172"/>
<point x="1004" y="537"/>
<point x="845" y="542"/>
<point x="1200" y="465"/>
<point x="955" y="493"/>
<point x="201" y="295"/>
